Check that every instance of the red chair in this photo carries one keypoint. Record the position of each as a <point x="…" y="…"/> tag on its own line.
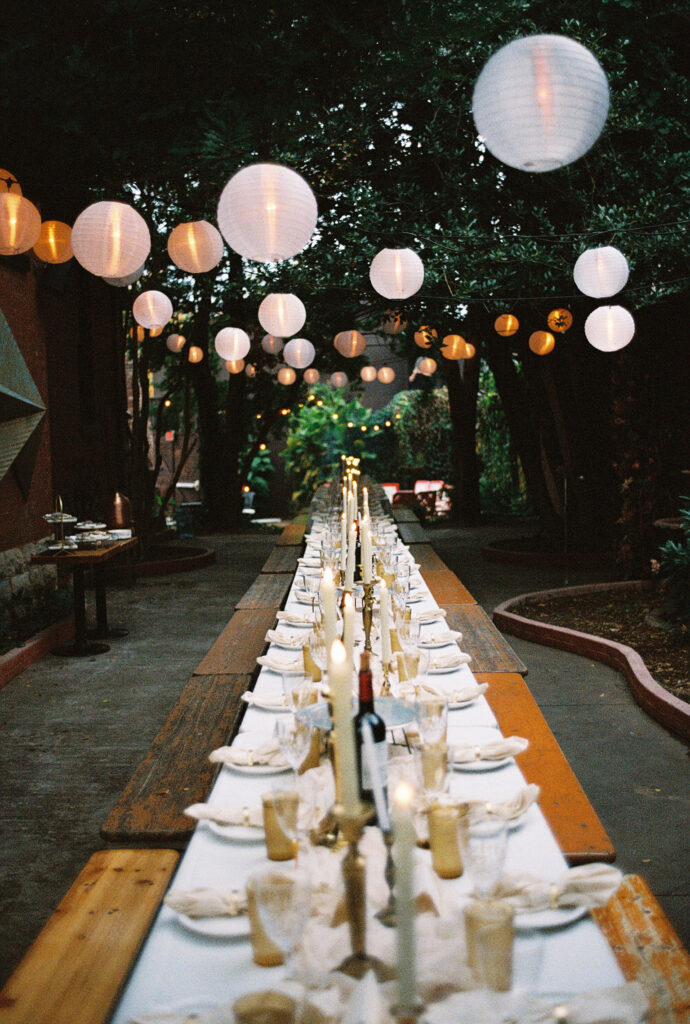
<point x="391" y="490"/>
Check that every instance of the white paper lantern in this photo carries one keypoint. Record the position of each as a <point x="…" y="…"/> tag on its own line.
<point x="272" y="345"/>
<point x="250" y="370"/>
<point x="195" y="246"/>
<point x="350" y="343"/>
<point x="195" y="354"/>
<point x="396" y="273"/>
<point x="232" y="343"/>
<point x="54" y="243"/>
<point x="368" y="374"/>
<point x="286" y="375"/>
<point x="124" y="282"/>
<point x="299" y="353"/>
<point x="175" y="342"/>
<point x="426" y="365"/>
<point x="267" y="213"/>
<point x="386" y="375"/>
<point x="338" y="379"/>
<point x="311" y="376"/>
<point x="152" y="309"/>
<point x="601" y="272"/>
<point x="282" y="314"/>
<point x="110" y="239"/>
<point x="234" y="365"/>
<point x="609" y="328"/>
<point x="20" y="224"/>
<point x="540" y="102"/>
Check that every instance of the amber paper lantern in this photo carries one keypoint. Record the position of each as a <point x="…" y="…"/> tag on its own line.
<point x="542" y="342"/>
<point x="272" y="345"/>
<point x="195" y="246"/>
<point x="560" y="320"/>
<point x="506" y="324"/>
<point x="137" y="332"/>
<point x="232" y="343"/>
<point x="54" y="243"/>
<point x="286" y="375"/>
<point x="425" y="335"/>
<point x="453" y="347"/>
<point x="175" y="342"/>
<point x="152" y="309"/>
<point x="393" y="322"/>
<point x="311" y="376"/>
<point x="8" y="182"/>
<point x="427" y="366"/>
<point x="338" y="379"/>
<point x="110" y="239"/>
<point x="368" y="374"/>
<point x="234" y="365"/>
<point x="349" y="343"/>
<point x="155" y="332"/>
<point x="250" y="370"/>
<point x="470" y="351"/>
<point x="386" y="375"/>
<point x="195" y="354"/>
<point x="282" y="314"/>
<point x="20" y="224"/>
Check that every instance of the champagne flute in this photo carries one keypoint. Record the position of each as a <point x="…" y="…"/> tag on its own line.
<point x="294" y="739"/>
<point x="484" y="839"/>
<point x="282" y="900"/>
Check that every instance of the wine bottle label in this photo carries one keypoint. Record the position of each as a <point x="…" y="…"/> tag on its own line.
<point x="381" y="754"/>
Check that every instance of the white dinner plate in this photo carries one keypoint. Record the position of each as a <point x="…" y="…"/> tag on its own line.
<point x="216" y="927"/>
<point x="458" y="705"/>
<point x="441" y="670"/>
<point x="481" y="766"/>
<point x="236" y="833"/>
<point x="258" y="769"/>
<point x="541" y="920"/>
<point x="292" y="643"/>
<point x="434" y="645"/>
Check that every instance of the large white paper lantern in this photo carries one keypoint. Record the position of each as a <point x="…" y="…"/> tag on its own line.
<point x="54" y="243"/>
<point x="311" y="376"/>
<point x="299" y="353"/>
<point x="338" y="379"/>
<point x="195" y="246"/>
<point x="282" y="314"/>
<point x="124" y="282"/>
<point x="368" y="374"/>
<point x="110" y="239"/>
<point x="175" y="342"/>
<point x="396" y="273"/>
<point x="267" y="213"/>
<point x="386" y="375"/>
<point x="232" y="343"/>
<point x="20" y="224"/>
<point x="286" y="375"/>
<point x="609" y="328"/>
<point x="350" y="343"/>
<point x="540" y="102"/>
<point x="272" y="345"/>
<point x="601" y="272"/>
<point x="152" y="309"/>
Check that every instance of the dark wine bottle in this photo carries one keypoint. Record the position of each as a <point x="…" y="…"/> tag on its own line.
<point x="366" y="713"/>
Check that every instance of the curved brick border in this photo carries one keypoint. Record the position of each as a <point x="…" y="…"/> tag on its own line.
<point x="672" y="712"/>
<point x="19" y="658"/>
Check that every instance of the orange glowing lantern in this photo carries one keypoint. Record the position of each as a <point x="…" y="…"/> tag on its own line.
<point x="560" y="320"/>
<point x="424" y="336"/>
<point x="506" y="324"/>
<point x="195" y="354"/>
<point x="453" y="347"/>
<point x="54" y="243"/>
<point x="542" y="342"/>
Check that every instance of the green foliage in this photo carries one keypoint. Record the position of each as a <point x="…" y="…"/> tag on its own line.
<point x="674" y="563"/>
<point x="260" y="470"/>
<point x="501" y="482"/>
<point x="423" y="434"/>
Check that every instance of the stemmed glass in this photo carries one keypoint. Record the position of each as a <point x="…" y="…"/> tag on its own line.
<point x="294" y="739"/>
<point x="312" y="582"/>
<point x="318" y="648"/>
<point x="431" y="714"/>
<point x="484" y="838"/>
<point x="282" y="901"/>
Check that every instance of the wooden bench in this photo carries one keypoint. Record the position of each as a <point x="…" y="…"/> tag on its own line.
<point x="77" y="967"/>
<point x="412" y="533"/>
<point x="176" y="771"/>
<point x="572" y="819"/>
<point x="480" y="638"/>
<point x="648" y="950"/>
<point x="268" y="590"/>
<point x="282" y="559"/>
<point x="293" y="534"/>
<point x="239" y="645"/>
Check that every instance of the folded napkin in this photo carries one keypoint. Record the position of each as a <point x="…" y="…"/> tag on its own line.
<point x="624" y="1004"/>
<point x="436" y="639"/>
<point x="590" y="885"/>
<point x="309" y="563"/>
<point x="453" y="660"/>
<point x="518" y="804"/>
<point x="459" y="696"/>
<point x="227" y="814"/>
<point x="430" y="615"/>
<point x="303" y="596"/>
<point x="295" y="618"/>
<point x="505" y="747"/>
<point x="274" y="636"/>
<point x="268" y="701"/>
<point x="206" y="902"/>
<point x="280" y="664"/>
<point x="269" y="753"/>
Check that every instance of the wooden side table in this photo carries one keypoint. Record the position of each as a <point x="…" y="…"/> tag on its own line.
<point x="77" y="562"/>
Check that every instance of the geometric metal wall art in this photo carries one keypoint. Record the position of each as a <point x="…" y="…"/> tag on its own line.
<point x="21" y="412"/>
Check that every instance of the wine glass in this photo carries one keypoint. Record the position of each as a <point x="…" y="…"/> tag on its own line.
<point x="431" y="761"/>
<point x="318" y="648"/>
<point x="298" y="690"/>
<point x="484" y="838"/>
<point x="294" y="739"/>
<point x="431" y="714"/>
<point x="282" y="900"/>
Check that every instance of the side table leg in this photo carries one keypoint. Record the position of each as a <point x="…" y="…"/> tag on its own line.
<point x="102" y="632"/>
<point x="81" y="646"/>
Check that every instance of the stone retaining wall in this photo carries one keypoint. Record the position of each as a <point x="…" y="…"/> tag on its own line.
<point x="23" y="587"/>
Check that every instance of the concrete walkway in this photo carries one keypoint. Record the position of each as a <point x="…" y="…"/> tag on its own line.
<point x="75" y="730"/>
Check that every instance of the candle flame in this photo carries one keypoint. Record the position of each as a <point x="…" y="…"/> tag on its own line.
<point x="404" y="794"/>
<point x="338" y="653"/>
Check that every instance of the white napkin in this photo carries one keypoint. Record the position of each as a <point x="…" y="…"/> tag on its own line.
<point x="430" y="615"/>
<point x="269" y="753"/>
<point x="295" y="618"/>
<point x="274" y="636"/>
<point x="206" y="902"/>
<point x="624" y="1004"/>
<point x="518" y="804"/>
<point x="459" y="696"/>
<point x="506" y="747"/>
<point x="309" y="563"/>
<point x="436" y="639"/>
<point x="227" y="814"/>
<point x="590" y="885"/>
<point x="269" y="701"/>
<point x="452" y="660"/>
<point x="280" y="664"/>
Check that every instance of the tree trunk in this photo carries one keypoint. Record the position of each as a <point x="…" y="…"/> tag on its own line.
<point x="462" y="400"/>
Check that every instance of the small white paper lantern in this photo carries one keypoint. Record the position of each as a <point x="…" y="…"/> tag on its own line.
<point x="195" y="354"/>
<point x="54" y="243"/>
<point x="386" y="375"/>
<point x="311" y="376"/>
<point x="338" y="379"/>
<point x="368" y="374"/>
<point x="20" y="224"/>
<point x="396" y="273"/>
<point x="540" y="102"/>
<point x="609" y="328"/>
<point x="267" y="213"/>
<point x="152" y="309"/>
<point x="350" y="343"/>
<point x="175" y="342"/>
<point x="299" y="353"/>
<point x="272" y="345"/>
<point x="426" y="365"/>
<point x="601" y="272"/>
<point x="250" y="370"/>
<point x="282" y="314"/>
<point x="110" y="239"/>
<point x="232" y="343"/>
<point x="234" y="365"/>
<point x="286" y="375"/>
<point x="195" y="246"/>
<point x="124" y="282"/>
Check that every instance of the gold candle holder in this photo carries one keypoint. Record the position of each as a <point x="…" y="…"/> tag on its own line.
<point x="387" y="915"/>
<point x="368" y="613"/>
<point x="386" y="688"/>
<point x="354" y="876"/>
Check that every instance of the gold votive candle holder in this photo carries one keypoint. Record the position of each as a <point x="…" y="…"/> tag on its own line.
<point x="490" y="932"/>
<point x="445" y="825"/>
<point x="279" y="846"/>
<point x="264" y="951"/>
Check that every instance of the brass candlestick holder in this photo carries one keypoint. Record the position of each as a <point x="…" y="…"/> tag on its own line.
<point x="387" y="914"/>
<point x="386" y="688"/>
<point x="359" y="962"/>
<point x="368" y="613"/>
